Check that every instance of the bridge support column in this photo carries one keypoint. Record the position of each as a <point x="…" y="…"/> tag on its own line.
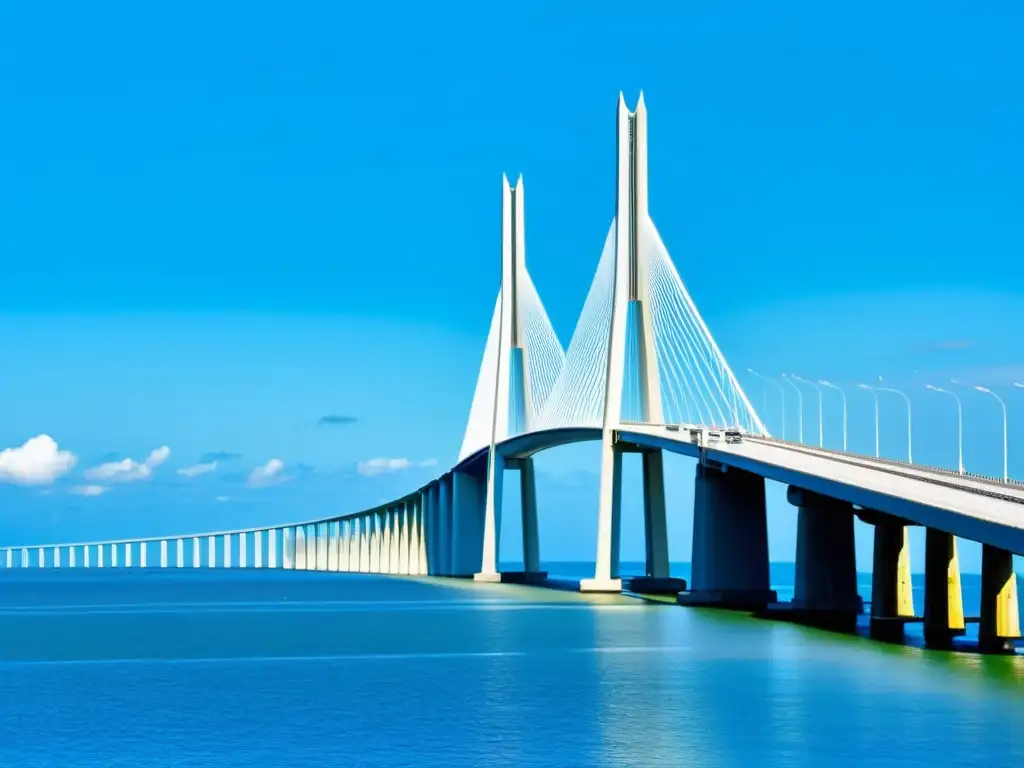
<point x="494" y="490"/>
<point x="467" y="523"/>
<point x="825" y="593"/>
<point x="427" y="530"/>
<point x="656" y="579"/>
<point x="531" y="532"/>
<point x="892" y="597"/>
<point x="432" y="520"/>
<point x="376" y="542"/>
<point x="334" y="553"/>
<point x="395" y="520"/>
<point x="943" y="600"/>
<point x="388" y="564"/>
<point x="414" y="536"/>
<point x="404" y="530"/>
<point x="411" y="549"/>
<point x="609" y="521"/>
<point x="351" y="556"/>
<point x="418" y="555"/>
<point x="400" y="545"/>
<point x="363" y="536"/>
<point x="655" y="523"/>
<point x="1000" y="620"/>
<point x="445" y="533"/>
<point x="730" y="541"/>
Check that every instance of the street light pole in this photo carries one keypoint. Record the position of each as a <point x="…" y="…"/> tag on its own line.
<point x="782" y="396"/>
<point x="799" y="405"/>
<point x="875" y="395"/>
<point x="959" y="424"/>
<point x="830" y="385"/>
<point x="821" y="429"/>
<point x="910" y="453"/>
<point x="987" y="391"/>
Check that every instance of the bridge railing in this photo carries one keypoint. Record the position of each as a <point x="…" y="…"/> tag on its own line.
<point x="992" y="479"/>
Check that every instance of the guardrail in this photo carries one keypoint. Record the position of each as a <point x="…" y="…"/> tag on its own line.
<point x="901" y="462"/>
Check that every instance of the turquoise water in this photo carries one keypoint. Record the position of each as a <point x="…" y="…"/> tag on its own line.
<point x="246" y="668"/>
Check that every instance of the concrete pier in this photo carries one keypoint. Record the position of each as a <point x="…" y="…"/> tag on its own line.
<point x="825" y="593"/>
<point x="892" y="597"/>
<point x="446" y="534"/>
<point x="656" y="579"/>
<point x="494" y="485"/>
<point x="467" y="523"/>
<point x="528" y="511"/>
<point x="943" y="600"/>
<point x="1000" y="620"/>
<point x="609" y="521"/>
<point x="730" y="541"/>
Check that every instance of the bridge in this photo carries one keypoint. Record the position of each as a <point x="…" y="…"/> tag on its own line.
<point x="642" y="374"/>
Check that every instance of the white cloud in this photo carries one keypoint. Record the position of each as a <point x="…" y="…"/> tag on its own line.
<point x="372" y="467"/>
<point x="198" y="469"/>
<point x="129" y="470"/>
<point x="268" y="474"/>
<point x="89" y="490"/>
<point x="39" y="461"/>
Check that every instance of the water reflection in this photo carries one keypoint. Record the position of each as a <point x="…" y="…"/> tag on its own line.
<point x="476" y="675"/>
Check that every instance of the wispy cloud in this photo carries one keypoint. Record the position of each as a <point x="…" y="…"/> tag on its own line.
<point x="223" y="498"/>
<point x="372" y="467"/>
<point x="39" y="461"/>
<point x="950" y="344"/>
<point x="89" y="490"/>
<point x="198" y="469"/>
<point x="129" y="470"/>
<point x="218" y="456"/>
<point x="268" y="474"/>
<point x="334" y="420"/>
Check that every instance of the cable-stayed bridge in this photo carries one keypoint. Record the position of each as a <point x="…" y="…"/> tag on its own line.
<point x="642" y="374"/>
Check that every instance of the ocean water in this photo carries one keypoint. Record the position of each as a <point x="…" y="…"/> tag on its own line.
<point x="268" y="668"/>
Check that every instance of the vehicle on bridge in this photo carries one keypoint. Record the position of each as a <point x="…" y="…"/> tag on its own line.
<point x="733" y="436"/>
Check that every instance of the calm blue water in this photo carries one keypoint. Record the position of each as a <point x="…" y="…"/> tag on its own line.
<point x="246" y="668"/>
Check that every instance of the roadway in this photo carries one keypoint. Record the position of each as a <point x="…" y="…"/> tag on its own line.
<point x="973" y="508"/>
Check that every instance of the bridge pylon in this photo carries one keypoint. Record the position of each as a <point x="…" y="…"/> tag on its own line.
<point x="635" y="364"/>
<point x="522" y="359"/>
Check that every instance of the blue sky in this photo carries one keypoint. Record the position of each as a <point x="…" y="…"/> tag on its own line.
<point x="222" y="224"/>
